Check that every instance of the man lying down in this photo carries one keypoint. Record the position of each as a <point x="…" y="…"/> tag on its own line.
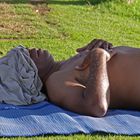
<point x="97" y="78"/>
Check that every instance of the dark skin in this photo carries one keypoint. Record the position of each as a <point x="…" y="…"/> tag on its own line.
<point x="93" y="81"/>
<point x="45" y="61"/>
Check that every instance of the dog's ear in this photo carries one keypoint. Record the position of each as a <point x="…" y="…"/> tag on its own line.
<point x="84" y="64"/>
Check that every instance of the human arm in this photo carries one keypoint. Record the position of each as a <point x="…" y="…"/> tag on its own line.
<point x="96" y="43"/>
<point x="91" y="99"/>
<point x="97" y="92"/>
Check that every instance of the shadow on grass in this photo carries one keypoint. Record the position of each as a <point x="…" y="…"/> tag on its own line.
<point x="77" y="2"/>
<point x="59" y="2"/>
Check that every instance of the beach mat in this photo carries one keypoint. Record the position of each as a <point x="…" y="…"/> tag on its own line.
<point x="45" y="118"/>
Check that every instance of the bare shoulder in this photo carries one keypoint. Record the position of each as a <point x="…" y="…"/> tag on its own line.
<point x="64" y="90"/>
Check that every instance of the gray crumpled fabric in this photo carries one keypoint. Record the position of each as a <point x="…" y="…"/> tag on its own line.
<point x="19" y="80"/>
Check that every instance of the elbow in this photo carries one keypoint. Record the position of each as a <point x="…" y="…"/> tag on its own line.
<point x="98" y="111"/>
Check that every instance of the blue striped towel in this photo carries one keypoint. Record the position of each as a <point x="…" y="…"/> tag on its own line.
<point x="45" y="118"/>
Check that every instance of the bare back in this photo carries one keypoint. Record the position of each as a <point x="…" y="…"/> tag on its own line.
<point x="67" y="84"/>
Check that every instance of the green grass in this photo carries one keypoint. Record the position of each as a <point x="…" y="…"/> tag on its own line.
<point x="77" y="137"/>
<point x="61" y="26"/>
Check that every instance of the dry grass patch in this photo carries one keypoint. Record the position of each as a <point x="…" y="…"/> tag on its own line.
<point x="41" y="9"/>
<point x="15" y="25"/>
<point x="22" y="21"/>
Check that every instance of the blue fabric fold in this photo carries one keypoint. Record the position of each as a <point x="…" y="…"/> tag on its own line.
<point x="45" y="118"/>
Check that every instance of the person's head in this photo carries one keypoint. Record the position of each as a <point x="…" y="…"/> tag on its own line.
<point x="43" y="60"/>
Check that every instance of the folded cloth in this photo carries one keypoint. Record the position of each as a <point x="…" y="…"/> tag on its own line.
<point x="19" y="80"/>
<point x="45" y="118"/>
